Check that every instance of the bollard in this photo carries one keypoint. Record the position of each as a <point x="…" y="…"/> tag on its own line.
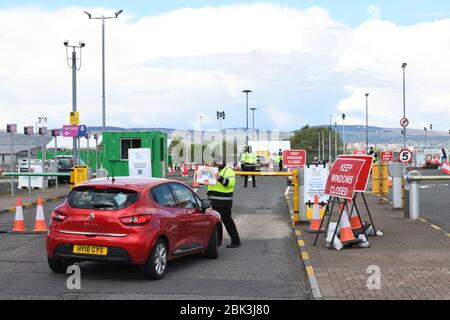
<point x="414" y="204"/>
<point x="296" y="204"/>
<point x="301" y="195"/>
<point x="405" y="198"/>
<point x="396" y="172"/>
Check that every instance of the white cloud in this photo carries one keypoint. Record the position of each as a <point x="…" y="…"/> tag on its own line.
<point x="168" y="69"/>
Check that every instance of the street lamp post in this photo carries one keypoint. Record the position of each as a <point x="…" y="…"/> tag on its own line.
<point x="431" y="128"/>
<point x="253" y="121"/>
<point x="246" y="112"/>
<point x="404" y="103"/>
<point x="103" y="18"/>
<point x="367" y="122"/>
<point x="425" y="129"/>
<point x="343" y="133"/>
<point x="73" y="66"/>
<point x="329" y="139"/>
<point x="335" y="141"/>
<point x="220" y="116"/>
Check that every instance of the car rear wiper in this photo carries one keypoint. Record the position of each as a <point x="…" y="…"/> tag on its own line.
<point x="103" y="205"/>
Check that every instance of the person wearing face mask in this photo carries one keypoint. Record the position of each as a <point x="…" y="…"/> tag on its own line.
<point x="221" y="196"/>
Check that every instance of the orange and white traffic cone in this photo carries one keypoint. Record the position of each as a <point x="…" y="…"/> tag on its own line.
<point x="345" y="231"/>
<point x="195" y="184"/>
<point x="19" y="223"/>
<point x="316" y="220"/>
<point x="355" y="223"/>
<point x="39" y="226"/>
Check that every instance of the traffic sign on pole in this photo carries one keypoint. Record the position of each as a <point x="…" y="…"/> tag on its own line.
<point x="405" y="156"/>
<point x="404" y="122"/>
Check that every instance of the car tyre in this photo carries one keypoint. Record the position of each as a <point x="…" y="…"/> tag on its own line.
<point x="156" y="264"/>
<point x="58" y="265"/>
<point x="212" y="250"/>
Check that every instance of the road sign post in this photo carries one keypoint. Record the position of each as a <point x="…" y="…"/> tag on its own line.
<point x="12" y="128"/>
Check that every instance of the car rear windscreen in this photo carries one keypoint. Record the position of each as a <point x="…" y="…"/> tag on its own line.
<point x="101" y="198"/>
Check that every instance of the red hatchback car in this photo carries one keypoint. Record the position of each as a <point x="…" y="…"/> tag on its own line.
<point x="138" y="221"/>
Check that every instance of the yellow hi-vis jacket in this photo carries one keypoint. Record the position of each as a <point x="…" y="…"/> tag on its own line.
<point x="223" y="189"/>
<point x="249" y="158"/>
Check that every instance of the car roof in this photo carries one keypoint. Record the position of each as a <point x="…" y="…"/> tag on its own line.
<point x="133" y="183"/>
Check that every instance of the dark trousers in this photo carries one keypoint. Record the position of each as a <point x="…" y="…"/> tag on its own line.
<point x="228" y="222"/>
<point x="249" y="168"/>
<point x="280" y="166"/>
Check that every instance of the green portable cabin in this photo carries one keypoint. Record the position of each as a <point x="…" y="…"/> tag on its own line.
<point x="117" y="144"/>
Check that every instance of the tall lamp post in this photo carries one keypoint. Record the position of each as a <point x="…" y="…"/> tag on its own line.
<point x="253" y="109"/>
<point x="367" y="122"/>
<point x="335" y="141"/>
<point x="425" y="129"/>
<point x="329" y="139"/>
<point x="72" y="63"/>
<point x="220" y="116"/>
<point x="103" y="18"/>
<point x="343" y="132"/>
<point x="404" y="103"/>
<point x="431" y="128"/>
<point x="246" y="112"/>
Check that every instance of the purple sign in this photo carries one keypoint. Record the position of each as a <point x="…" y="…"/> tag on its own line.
<point x="70" y="131"/>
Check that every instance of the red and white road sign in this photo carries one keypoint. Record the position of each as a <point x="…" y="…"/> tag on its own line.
<point x="294" y="158"/>
<point x="405" y="156"/>
<point x="70" y="131"/>
<point x="363" y="178"/>
<point x="386" y="156"/>
<point x="343" y="177"/>
<point x="359" y="152"/>
<point x="404" y="122"/>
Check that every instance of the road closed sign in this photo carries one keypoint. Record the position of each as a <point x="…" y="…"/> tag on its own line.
<point x="294" y="158"/>
<point x="343" y="177"/>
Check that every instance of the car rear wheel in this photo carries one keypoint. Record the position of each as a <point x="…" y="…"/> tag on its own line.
<point x="212" y="251"/>
<point x="157" y="261"/>
<point x="58" y="265"/>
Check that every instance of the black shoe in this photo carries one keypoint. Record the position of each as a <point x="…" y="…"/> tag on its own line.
<point x="233" y="245"/>
<point x="255" y="187"/>
<point x="244" y="187"/>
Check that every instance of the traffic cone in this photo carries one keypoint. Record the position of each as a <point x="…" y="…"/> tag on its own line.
<point x="39" y="226"/>
<point x="195" y="183"/>
<point x="19" y="224"/>
<point x="316" y="220"/>
<point x="346" y="233"/>
<point x="354" y="220"/>
<point x="336" y="242"/>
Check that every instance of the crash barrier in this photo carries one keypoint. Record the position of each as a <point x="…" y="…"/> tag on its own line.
<point x="414" y="178"/>
<point x="380" y="179"/>
<point x="19" y="223"/>
<point x="298" y="216"/>
<point x="78" y="174"/>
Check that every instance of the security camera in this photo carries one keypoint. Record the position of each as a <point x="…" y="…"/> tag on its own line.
<point x="66" y="43"/>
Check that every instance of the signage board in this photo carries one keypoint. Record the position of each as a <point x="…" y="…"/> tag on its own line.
<point x="74" y="117"/>
<point x="11" y="128"/>
<point x="359" y="152"/>
<point x="315" y="179"/>
<point x="405" y="156"/>
<point x="386" y="156"/>
<point x="343" y="177"/>
<point x="363" y="178"/>
<point x="82" y="131"/>
<point x="294" y="158"/>
<point x="139" y="162"/>
<point x="70" y="131"/>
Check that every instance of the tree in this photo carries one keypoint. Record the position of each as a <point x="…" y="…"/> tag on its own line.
<point x="307" y="138"/>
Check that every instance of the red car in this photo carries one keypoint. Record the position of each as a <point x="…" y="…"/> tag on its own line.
<point x="138" y="221"/>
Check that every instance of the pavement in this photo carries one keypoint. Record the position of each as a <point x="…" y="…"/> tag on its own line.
<point x="8" y="203"/>
<point x="265" y="267"/>
<point x="412" y="256"/>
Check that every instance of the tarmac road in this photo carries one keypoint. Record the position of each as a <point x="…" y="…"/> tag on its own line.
<point x="265" y="267"/>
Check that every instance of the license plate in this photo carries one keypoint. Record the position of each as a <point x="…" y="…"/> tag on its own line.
<point x="94" y="250"/>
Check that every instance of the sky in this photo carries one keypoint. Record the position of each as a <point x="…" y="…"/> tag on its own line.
<point x="168" y="63"/>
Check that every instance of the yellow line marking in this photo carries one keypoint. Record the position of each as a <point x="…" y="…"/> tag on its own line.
<point x="436" y="227"/>
<point x="301" y="243"/>
<point x="12" y="209"/>
<point x="298" y="232"/>
<point x="423" y="220"/>
<point x="28" y="204"/>
<point x="310" y="271"/>
<point x="305" y="255"/>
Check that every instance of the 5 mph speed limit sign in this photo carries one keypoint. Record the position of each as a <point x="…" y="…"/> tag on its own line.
<point x="405" y="156"/>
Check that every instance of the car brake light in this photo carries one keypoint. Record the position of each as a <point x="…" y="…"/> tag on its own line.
<point x="58" y="216"/>
<point x="135" y="220"/>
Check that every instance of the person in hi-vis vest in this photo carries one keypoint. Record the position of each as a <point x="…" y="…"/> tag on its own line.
<point x="221" y="196"/>
<point x="248" y="163"/>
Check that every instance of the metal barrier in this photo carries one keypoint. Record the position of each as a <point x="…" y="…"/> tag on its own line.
<point x="36" y="174"/>
<point x="295" y="181"/>
<point x="414" y="178"/>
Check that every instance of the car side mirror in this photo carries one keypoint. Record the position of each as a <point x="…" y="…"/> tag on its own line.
<point x="206" y="203"/>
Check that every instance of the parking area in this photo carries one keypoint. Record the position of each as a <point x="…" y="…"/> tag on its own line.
<point x="265" y="267"/>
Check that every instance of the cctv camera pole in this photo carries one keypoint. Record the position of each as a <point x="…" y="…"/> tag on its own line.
<point x="404" y="104"/>
<point x="12" y="163"/>
<point x="246" y="110"/>
<point x="29" y="163"/>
